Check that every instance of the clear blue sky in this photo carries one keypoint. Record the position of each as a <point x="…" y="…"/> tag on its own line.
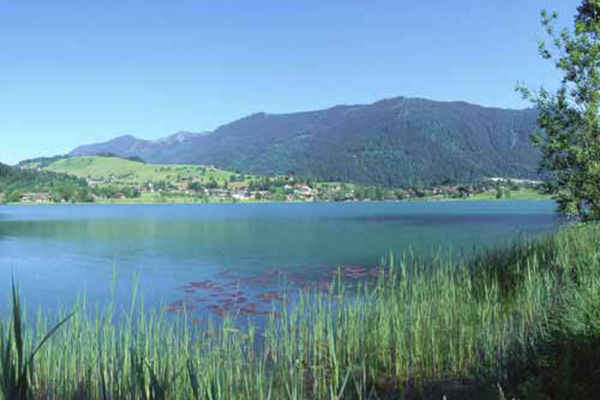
<point x="74" y="72"/>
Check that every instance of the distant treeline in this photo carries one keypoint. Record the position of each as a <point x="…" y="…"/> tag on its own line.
<point x="16" y="182"/>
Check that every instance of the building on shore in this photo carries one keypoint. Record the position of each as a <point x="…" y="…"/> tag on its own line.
<point x="36" y="198"/>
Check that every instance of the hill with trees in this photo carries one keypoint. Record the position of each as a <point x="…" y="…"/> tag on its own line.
<point x="123" y="172"/>
<point x="17" y="182"/>
<point x="393" y="142"/>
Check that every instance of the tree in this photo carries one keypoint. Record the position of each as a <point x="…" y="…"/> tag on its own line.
<point x="14" y="196"/>
<point x="570" y="124"/>
<point x="212" y="184"/>
<point x="499" y="193"/>
<point x="65" y="192"/>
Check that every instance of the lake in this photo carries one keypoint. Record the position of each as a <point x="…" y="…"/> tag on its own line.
<point x="214" y="254"/>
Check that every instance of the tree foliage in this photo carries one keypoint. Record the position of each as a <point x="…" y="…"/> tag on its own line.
<point x="16" y="181"/>
<point x="570" y="124"/>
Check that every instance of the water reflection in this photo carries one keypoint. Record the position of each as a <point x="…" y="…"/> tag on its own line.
<point x="58" y="251"/>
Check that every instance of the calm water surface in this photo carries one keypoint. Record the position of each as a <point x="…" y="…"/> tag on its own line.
<point x="56" y="252"/>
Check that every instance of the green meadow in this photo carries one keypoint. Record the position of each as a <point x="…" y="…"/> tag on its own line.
<point x="123" y="172"/>
<point x="514" y="195"/>
<point x="519" y="322"/>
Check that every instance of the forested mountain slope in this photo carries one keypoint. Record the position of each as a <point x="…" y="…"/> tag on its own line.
<point x="394" y="142"/>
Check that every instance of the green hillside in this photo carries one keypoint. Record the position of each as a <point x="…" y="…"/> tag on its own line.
<point x="122" y="172"/>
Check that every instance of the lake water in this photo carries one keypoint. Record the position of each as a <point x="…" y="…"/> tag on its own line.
<point x="234" y="251"/>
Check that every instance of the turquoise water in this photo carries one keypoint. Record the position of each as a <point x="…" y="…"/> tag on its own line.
<point x="56" y="252"/>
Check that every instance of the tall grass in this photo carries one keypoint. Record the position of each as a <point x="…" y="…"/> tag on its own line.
<point x="478" y="322"/>
<point x="16" y="367"/>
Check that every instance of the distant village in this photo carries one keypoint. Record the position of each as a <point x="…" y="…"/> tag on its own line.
<point x="269" y="189"/>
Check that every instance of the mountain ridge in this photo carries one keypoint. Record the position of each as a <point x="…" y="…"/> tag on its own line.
<point x="393" y="142"/>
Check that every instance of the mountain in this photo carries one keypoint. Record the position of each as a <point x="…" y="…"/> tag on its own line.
<point x="394" y="142"/>
<point x="148" y="150"/>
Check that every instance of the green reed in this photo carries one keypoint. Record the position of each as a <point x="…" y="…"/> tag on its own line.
<point x="417" y="323"/>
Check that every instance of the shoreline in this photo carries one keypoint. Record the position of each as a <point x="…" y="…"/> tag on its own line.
<point x="128" y="202"/>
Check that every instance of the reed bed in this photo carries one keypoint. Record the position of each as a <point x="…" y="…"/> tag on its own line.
<point x="417" y="324"/>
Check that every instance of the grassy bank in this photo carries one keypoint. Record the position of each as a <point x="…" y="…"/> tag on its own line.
<point x="526" y="317"/>
<point x="513" y="195"/>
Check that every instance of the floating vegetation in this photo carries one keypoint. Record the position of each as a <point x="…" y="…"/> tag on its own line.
<point x="238" y="295"/>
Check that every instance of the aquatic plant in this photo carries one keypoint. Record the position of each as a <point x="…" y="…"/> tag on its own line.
<point x="16" y="367"/>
